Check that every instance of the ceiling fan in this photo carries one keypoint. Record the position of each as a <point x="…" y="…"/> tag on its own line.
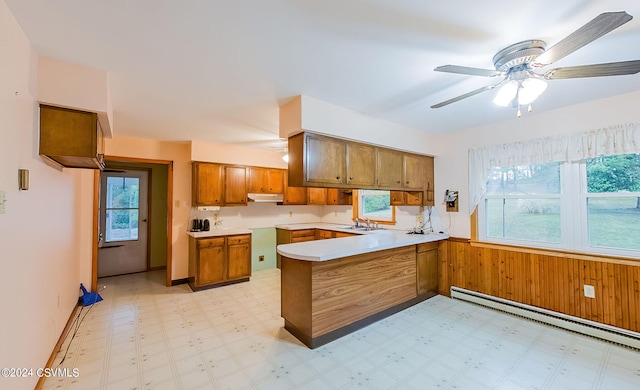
<point x="516" y="64"/>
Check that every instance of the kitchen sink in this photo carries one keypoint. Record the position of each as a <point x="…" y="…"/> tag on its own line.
<point x="360" y="228"/>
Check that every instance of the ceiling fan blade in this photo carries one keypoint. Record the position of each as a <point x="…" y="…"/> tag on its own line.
<point x="469" y="71"/>
<point x="586" y="34"/>
<point x="595" y="70"/>
<point x="466" y="95"/>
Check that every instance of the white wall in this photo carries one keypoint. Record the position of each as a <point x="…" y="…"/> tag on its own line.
<point x="39" y="232"/>
<point x="451" y="165"/>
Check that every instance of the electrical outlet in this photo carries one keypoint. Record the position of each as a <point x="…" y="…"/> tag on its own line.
<point x="290" y="214"/>
<point x="589" y="291"/>
<point x="177" y="204"/>
<point x="58" y="299"/>
<point x="419" y="219"/>
<point x="261" y="258"/>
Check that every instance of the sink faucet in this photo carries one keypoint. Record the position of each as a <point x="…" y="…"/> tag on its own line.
<point x="366" y="221"/>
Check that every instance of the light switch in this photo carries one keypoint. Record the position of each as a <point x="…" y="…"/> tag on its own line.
<point x="3" y="200"/>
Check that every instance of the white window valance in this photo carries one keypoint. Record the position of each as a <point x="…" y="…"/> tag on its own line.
<point x="621" y="139"/>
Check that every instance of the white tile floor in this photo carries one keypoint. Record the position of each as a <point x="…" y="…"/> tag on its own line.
<point x="147" y="336"/>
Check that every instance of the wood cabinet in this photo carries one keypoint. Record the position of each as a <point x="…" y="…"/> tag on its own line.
<point x="361" y="162"/>
<point x="266" y="180"/>
<point x="207" y="184"/>
<point x="322" y="234"/>
<point x="239" y="257"/>
<point x="428" y="198"/>
<point x="219" y="260"/>
<point x="316" y="160"/>
<point x="293" y="195"/>
<point x="389" y="169"/>
<point x="427" y="268"/>
<point x="71" y="138"/>
<point x="235" y="185"/>
<point x="339" y="196"/>
<point x="317" y="196"/>
<point x="412" y="172"/>
<point x="406" y="198"/>
<point x="328" y="162"/>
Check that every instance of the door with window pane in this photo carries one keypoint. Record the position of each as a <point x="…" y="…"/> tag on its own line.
<point x="123" y="222"/>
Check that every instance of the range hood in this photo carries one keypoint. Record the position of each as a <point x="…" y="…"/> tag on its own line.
<point x="273" y="198"/>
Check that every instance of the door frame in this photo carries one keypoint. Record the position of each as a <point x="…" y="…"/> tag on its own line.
<point x="96" y="211"/>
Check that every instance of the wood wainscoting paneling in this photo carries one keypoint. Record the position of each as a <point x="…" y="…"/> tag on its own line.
<point x="546" y="279"/>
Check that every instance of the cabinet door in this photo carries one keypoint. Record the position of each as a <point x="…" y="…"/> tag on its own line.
<point x="317" y="196"/>
<point x="428" y="199"/>
<point x="239" y="257"/>
<point x="427" y="262"/>
<point x="235" y="186"/>
<point x="258" y="180"/>
<point x="211" y="261"/>
<point x="294" y="195"/>
<point x="275" y="181"/>
<point x="396" y="198"/>
<point x="337" y="196"/>
<point x="325" y="160"/>
<point x="413" y="172"/>
<point x="322" y="234"/>
<point x="389" y="172"/>
<point x="206" y="187"/>
<point x="413" y="198"/>
<point x="361" y="162"/>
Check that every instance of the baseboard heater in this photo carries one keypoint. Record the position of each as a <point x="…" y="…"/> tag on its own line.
<point x="590" y="328"/>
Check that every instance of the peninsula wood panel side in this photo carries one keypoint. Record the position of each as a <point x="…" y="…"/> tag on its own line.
<point x="295" y="295"/>
<point x="353" y="288"/>
<point x="547" y="281"/>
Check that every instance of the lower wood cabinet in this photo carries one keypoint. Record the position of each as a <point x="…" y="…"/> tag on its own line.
<point x="217" y="261"/>
<point x="285" y="236"/>
<point x="427" y="267"/>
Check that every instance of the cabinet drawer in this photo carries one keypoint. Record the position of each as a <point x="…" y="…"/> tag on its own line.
<point x="302" y="239"/>
<point x="303" y="233"/>
<point x="237" y="240"/>
<point x="324" y="234"/>
<point x="427" y="246"/>
<point x="210" y="242"/>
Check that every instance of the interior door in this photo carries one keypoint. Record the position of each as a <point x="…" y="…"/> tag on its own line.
<point x="122" y="246"/>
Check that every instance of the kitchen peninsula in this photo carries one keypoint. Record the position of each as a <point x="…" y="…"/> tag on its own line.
<point x="331" y="288"/>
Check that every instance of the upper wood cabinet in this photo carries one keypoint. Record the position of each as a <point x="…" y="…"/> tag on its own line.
<point x="71" y="138"/>
<point x="235" y="185"/>
<point x="389" y="168"/>
<point x="293" y="195"/>
<point x="266" y="180"/>
<point x="317" y="196"/>
<point x="361" y="159"/>
<point x="207" y="184"/>
<point x="324" y="160"/>
<point x="339" y="196"/>
<point x="413" y="172"/>
<point x="428" y="198"/>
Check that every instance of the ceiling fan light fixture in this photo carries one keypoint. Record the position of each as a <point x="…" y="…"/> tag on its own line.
<point x="531" y="89"/>
<point x="506" y="93"/>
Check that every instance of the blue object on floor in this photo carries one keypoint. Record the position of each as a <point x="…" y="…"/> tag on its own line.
<point x="88" y="298"/>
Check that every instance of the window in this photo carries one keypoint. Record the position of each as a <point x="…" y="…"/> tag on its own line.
<point x="523" y="202"/>
<point x="592" y="205"/>
<point x="613" y="201"/>
<point x="122" y="202"/>
<point x="375" y="205"/>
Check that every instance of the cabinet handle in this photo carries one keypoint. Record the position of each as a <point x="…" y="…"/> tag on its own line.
<point x="337" y="177"/>
<point x="407" y="181"/>
<point x="398" y="182"/>
<point x="350" y="177"/>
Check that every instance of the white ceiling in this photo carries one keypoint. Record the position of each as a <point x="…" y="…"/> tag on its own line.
<point x="217" y="71"/>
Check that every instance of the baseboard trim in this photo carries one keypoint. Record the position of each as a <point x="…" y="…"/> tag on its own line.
<point x="158" y="268"/>
<point x="177" y="282"/>
<point x="56" y="348"/>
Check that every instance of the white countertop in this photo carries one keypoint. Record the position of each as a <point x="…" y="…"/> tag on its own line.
<point x="371" y="241"/>
<point x="215" y="232"/>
